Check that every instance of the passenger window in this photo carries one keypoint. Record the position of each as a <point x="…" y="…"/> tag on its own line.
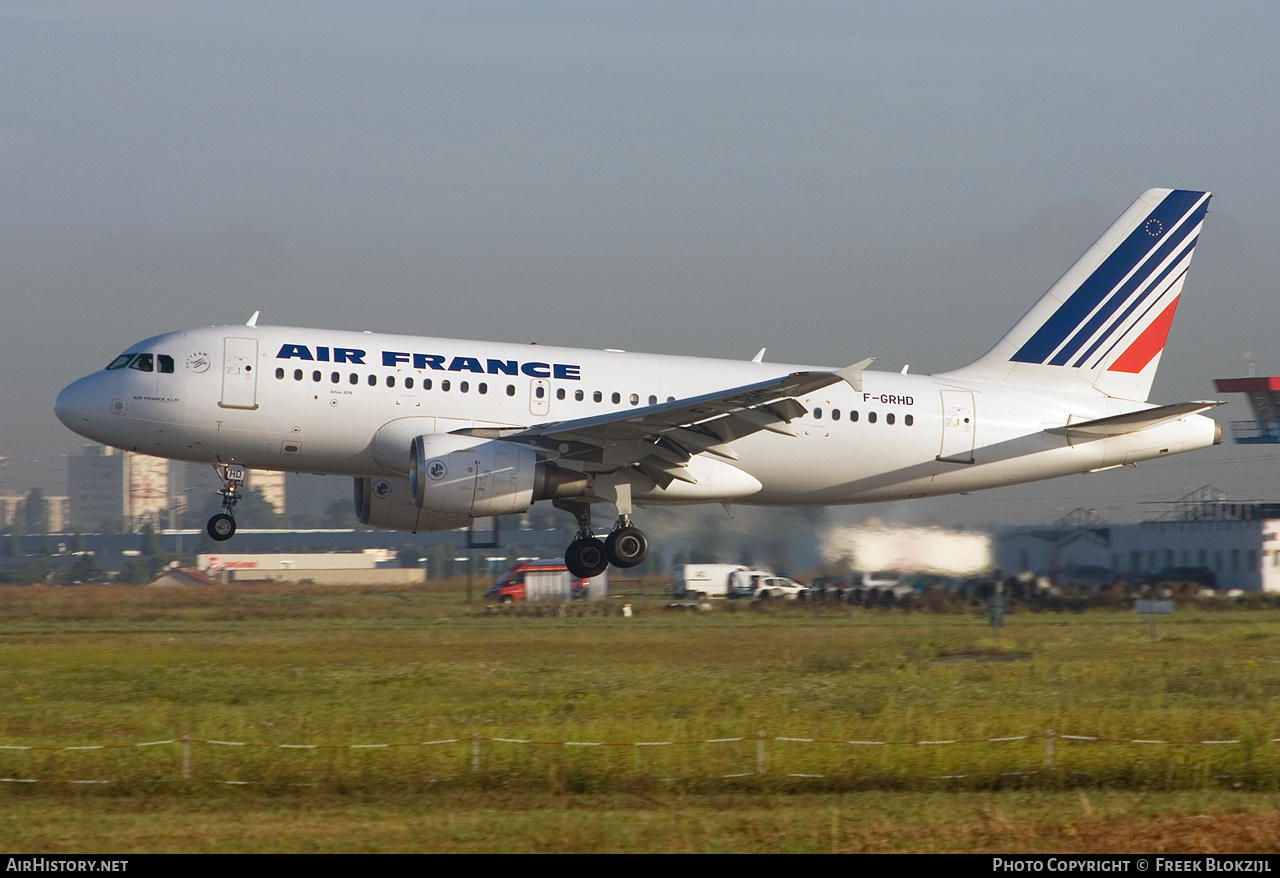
<point x="164" y="363"/>
<point x="315" y="376"/>
<point x="426" y="384"/>
<point x="121" y="361"/>
<point x="908" y="420"/>
<point x="835" y="414"/>
<point x="540" y="391"/>
<point x="511" y="390"/>
<point x="391" y="381"/>
<point x="853" y="416"/>
<point x="408" y="383"/>
<point x="464" y="386"/>
<point x="635" y="399"/>
<point x="817" y="414"/>
<point x="335" y="377"/>
<point x="888" y="419"/>
<point x="444" y="385"/>
<point x="559" y="393"/>
<point x="482" y="388"/>
<point x="577" y="394"/>
<point x="597" y="396"/>
<point x="355" y="379"/>
<point x="617" y="397"/>
<point x="279" y="373"/>
<point x="297" y="374"/>
<point x="143" y="363"/>
<point x="653" y="400"/>
<point x="871" y="417"/>
<point x="373" y="380"/>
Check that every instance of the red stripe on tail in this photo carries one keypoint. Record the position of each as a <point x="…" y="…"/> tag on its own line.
<point x="1147" y="345"/>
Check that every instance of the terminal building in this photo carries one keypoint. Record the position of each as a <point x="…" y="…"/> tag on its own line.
<point x="1205" y="531"/>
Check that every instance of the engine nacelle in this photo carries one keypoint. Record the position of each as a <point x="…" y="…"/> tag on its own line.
<point x="388" y="504"/>
<point x="462" y="475"/>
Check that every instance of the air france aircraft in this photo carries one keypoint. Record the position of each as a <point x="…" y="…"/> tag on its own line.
<point x="437" y="432"/>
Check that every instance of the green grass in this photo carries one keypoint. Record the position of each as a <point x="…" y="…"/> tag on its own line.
<point x="334" y="666"/>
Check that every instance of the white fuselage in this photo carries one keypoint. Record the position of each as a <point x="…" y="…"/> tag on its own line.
<point x="349" y="403"/>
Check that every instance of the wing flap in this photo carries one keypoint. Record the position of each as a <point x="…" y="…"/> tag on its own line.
<point x="659" y="439"/>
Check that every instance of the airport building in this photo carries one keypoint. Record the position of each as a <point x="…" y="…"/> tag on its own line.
<point x="110" y="489"/>
<point x="1237" y="542"/>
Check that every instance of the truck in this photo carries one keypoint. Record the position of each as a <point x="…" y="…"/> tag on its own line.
<point x="701" y="582"/>
<point x="545" y="581"/>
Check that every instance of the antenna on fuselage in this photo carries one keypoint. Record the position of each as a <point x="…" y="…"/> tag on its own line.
<point x="253" y="321"/>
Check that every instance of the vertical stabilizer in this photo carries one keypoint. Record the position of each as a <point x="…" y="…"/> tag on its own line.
<point x="1104" y="323"/>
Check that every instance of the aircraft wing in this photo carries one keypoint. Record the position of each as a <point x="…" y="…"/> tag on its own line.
<point x="658" y="440"/>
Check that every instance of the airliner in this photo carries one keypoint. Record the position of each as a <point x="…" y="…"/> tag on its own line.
<point x="437" y="432"/>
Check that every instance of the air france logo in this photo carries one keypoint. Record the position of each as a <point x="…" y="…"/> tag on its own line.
<point x="381" y="489"/>
<point x="436" y="362"/>
<point x="436" y="470"/>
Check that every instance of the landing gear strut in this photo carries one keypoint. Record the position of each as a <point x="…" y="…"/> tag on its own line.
<point x="222" y="526"/>
<point x="588" y="556"/>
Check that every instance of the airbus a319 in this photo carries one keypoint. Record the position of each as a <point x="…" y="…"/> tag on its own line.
<point x="437" y="432"/>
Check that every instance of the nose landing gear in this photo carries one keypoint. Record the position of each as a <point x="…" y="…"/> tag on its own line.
<point x="222" y="526"/>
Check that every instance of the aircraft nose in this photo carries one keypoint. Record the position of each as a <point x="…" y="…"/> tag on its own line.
<point x="76" y="404"/>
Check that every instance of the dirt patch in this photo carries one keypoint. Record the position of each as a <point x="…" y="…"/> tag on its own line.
<point x="982" y="657"/>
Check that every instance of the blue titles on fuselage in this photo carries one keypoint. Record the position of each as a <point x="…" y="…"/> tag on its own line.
<point x="562" y="371"/>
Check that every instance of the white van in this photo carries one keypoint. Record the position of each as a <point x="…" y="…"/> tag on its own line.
<point x="703" y="581"/>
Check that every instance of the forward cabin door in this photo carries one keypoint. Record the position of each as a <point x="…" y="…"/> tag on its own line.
<point x="957" y="426"/>
<point x="239" y="373"/>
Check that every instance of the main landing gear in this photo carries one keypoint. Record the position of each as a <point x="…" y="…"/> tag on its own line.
<point x="588" y="556"/>
<point x="222" y="526"/>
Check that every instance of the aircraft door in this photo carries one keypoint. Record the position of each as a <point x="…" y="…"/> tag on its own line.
<point x="958" y="426"/>
<point x="239" y="373"/>
<point x="539" y="396"/>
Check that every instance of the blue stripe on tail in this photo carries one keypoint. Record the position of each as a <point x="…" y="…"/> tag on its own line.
<point x="1069" y="321"/>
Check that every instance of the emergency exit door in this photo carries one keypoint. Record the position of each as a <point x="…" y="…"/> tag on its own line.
<point x="957" y="426"/>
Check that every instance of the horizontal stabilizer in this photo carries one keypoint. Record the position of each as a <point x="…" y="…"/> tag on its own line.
<point x="1132" y="422"/>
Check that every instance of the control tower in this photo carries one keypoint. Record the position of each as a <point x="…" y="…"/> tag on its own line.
<point x="1264" y="398"/>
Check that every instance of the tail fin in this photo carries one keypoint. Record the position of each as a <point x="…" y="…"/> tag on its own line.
<point x="1103" y="324"/>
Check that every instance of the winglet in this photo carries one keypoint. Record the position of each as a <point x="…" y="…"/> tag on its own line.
<point x="253" y="321"/>
<point x="759" y="357"/>
<point x="853" y="374"/>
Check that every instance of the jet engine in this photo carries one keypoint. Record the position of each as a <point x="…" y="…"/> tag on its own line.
<point x="463" y="475"/>
<point x="388" y="504"/>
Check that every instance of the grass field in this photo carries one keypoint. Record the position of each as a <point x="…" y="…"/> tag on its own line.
<point x="92" y="666"/>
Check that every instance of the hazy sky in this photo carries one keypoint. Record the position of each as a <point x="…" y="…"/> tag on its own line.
<point x="831" y="180"/>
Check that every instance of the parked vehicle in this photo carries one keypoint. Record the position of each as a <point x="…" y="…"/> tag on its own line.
<point x="761" y="586"/>
<point x="544" y="581"/>
<point x="702" y="581"/>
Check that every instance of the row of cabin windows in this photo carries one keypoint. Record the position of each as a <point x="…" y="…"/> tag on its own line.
<point x="144" y="362"/>
<point x="464" y="386"/>
<point x="889" y="418"/>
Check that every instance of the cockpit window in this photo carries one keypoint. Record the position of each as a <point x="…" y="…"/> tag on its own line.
<point x="121" y="361"/>
<point x="164" y="363"/>
<point x="143" y="363"/>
